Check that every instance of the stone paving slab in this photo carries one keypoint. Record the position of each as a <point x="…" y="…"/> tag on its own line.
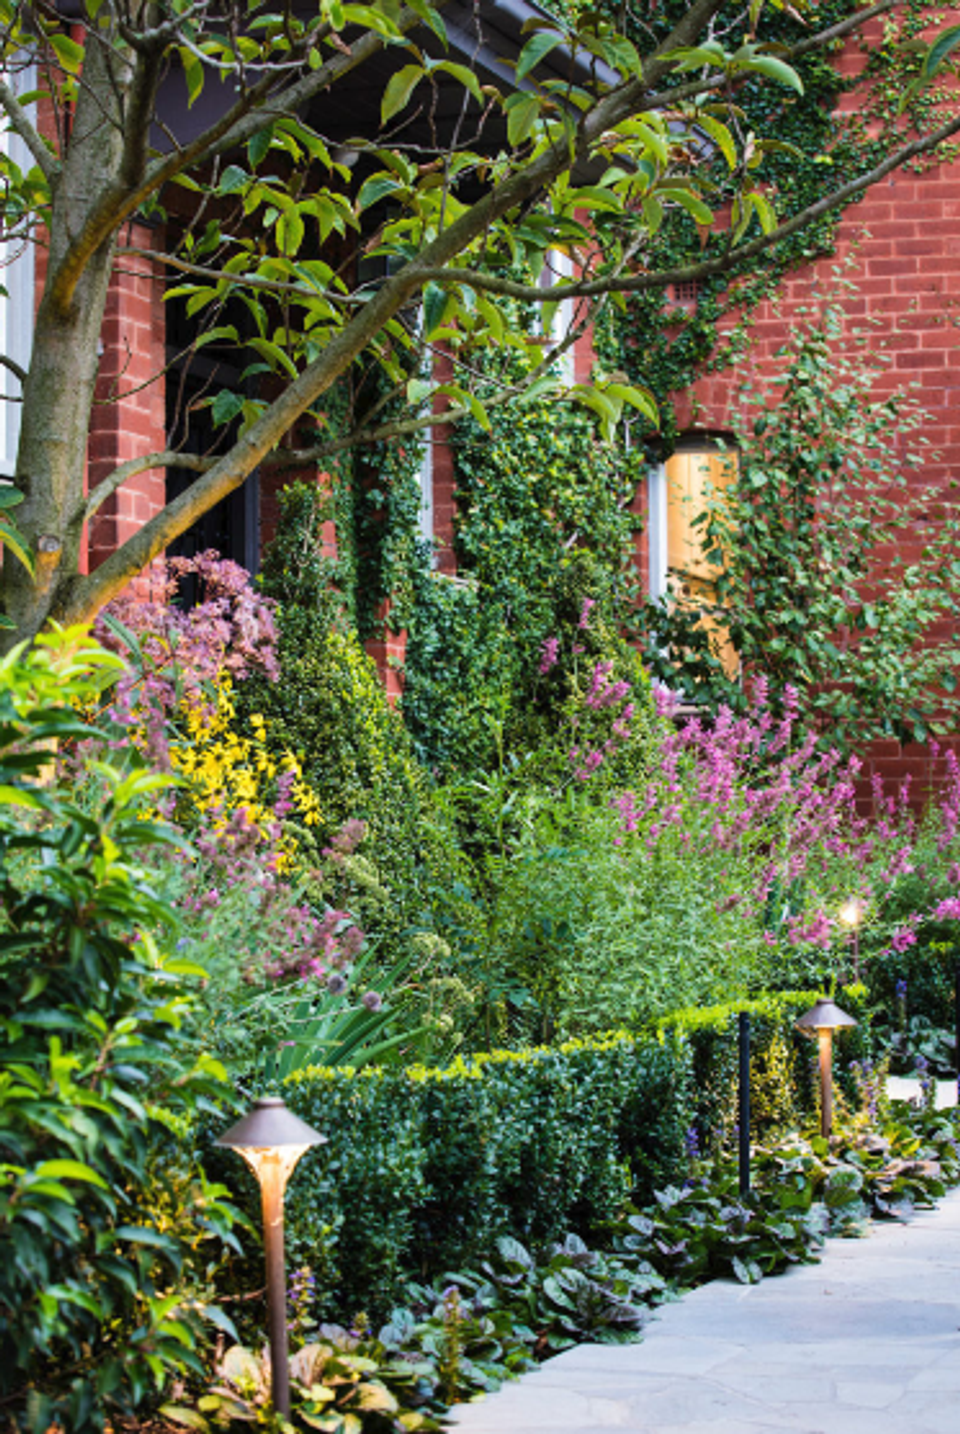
<point x="865" y="1342"/>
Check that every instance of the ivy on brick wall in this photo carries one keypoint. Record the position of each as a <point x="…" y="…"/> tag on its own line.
<point x="545" y="507"/>
<point x="544" y="523"/>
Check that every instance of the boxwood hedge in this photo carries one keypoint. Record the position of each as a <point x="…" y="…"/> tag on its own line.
<point x="424" y="1168"/>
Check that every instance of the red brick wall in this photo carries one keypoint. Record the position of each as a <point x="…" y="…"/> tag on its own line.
<point x="128" y="418"/>
<point x="903" y="240"/>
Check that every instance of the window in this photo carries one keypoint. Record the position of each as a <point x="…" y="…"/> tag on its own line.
<point x="426" y="487"/>
<point x="557" y="269"/>
<point x="16" y="311"/>
<point x="680" y="491"/>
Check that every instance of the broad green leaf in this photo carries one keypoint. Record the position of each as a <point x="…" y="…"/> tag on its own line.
<point x="226" y="406"/>
<point x="639" y="398"/>
<point x="69" y="54"/>
<point x="189" y="1418"/>
<point x="466" y="77"/>
<point x="536" y="48"/>
<point x="436" y="302"/>
<point x="522" y="114"/>
<point x="432" y="18"/>
<point x="695" y="207"/>
<point x="720" y="135"/>
<point x="70" y="1170"/>
<point x="942" y="47"/>
<point x="775" y="69"/>
<point x="192" y="73"/>
<point x="399" y="89"/>
<point x="377" y="187"/>
<point x="479" y="413"/>
<point x="12" y="538"/>
<point x="289" y="232"/>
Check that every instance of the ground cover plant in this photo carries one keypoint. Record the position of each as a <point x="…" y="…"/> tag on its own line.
<point x="471" y="1329"/>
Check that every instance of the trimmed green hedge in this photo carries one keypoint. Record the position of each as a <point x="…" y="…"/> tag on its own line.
<point x="784" y="1083"/>
<point x="425" y="1168"/>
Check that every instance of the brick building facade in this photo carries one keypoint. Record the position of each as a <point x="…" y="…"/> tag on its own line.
<point x="904" y="239"/>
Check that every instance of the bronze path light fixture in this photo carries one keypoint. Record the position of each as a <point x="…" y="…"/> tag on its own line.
<point x="271" y="1140"/>
<point x="851" y="914"/>
<point x="823" y="1019"/>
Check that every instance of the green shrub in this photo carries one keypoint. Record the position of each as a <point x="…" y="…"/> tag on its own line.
<point x="109" y="1232"/>
<point x="783" y="1062"/>
<point x="425" y="1168"/>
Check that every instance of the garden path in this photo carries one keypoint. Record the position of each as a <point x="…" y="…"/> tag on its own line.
<point x="865" y="1342"/>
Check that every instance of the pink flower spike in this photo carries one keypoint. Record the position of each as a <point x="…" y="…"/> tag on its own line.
<point x="549" y="653"/>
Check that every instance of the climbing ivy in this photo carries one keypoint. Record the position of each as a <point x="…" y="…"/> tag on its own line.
<point x="544" y="523"/>
<point x="666" y="346"/>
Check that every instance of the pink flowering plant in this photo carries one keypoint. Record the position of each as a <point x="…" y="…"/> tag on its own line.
<point x="725" y="864"/>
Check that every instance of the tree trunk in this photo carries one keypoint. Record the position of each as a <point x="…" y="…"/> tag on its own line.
<point x="59" y="388"/>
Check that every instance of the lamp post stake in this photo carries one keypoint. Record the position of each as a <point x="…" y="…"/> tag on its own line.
<point x="272" y="1196"/>
<point x="825" y="1035"/>
<point x="744" y="1112"/>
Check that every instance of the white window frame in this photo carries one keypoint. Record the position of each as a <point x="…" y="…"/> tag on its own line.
<point x="17" y="275"/>
<point x="558" y="267"/>
<point x="425" y="516"/>
<point x="657" y="551"/>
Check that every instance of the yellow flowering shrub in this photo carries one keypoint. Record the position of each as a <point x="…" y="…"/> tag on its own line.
<point x="224" y="768"/>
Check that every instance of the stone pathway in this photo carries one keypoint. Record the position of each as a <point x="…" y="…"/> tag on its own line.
<point x="865" y="1342"/>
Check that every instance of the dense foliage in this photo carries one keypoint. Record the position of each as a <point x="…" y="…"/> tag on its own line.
<point x="855" y="615"/>
<point x="110" y="1234"/>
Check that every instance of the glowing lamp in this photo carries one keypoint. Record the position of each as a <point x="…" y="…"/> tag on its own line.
<point x="821" y="1021"/>
<point x="271" y="1140"/>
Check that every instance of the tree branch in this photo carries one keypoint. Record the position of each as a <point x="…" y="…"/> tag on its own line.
<point x="81" y="597"/>
<point x="660" y="279"/>
<point x="250" y="281"/>
<point x="18" y="371"/>
<point x="21" y="124"/>
<point x="169" y="458"/>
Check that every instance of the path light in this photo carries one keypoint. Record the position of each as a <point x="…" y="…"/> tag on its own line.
<point x="824" y="1018"/>
<point x="851" y="914"/>
<point x="271" y="1140"/>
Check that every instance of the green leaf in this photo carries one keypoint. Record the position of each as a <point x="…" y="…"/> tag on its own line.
<point x="640" y="398"/>
<point x="143" y="1235"/>
<point x="432" y="18"/>
<point x="192" y="73"/>
<point x="466" y="77"/>
<point x="189" y="1418"/>
<point x="536" y="48"/>
<point x="258" y="145"/>
<point x="436" y="302"/>
<point x="289" y="232"/>
<point x="694" y="206"/>
<point x="377" y="187"/>
<point x="70" y="1170"/>
<point x="522" y="114"/>
<point x="942" y="47"/>
<point x="69" y="54"/>
<point x="774" y="69"/>
<point x="399" y="89"/>
<point x="226" y="406"/>
<point x="720" y="135"/>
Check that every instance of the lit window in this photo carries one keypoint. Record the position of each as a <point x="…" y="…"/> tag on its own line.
<point x="680" y="491"/>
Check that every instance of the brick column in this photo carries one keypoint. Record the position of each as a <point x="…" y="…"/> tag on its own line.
<point x="388" y="652"/>
<point x="128" y="419"/>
